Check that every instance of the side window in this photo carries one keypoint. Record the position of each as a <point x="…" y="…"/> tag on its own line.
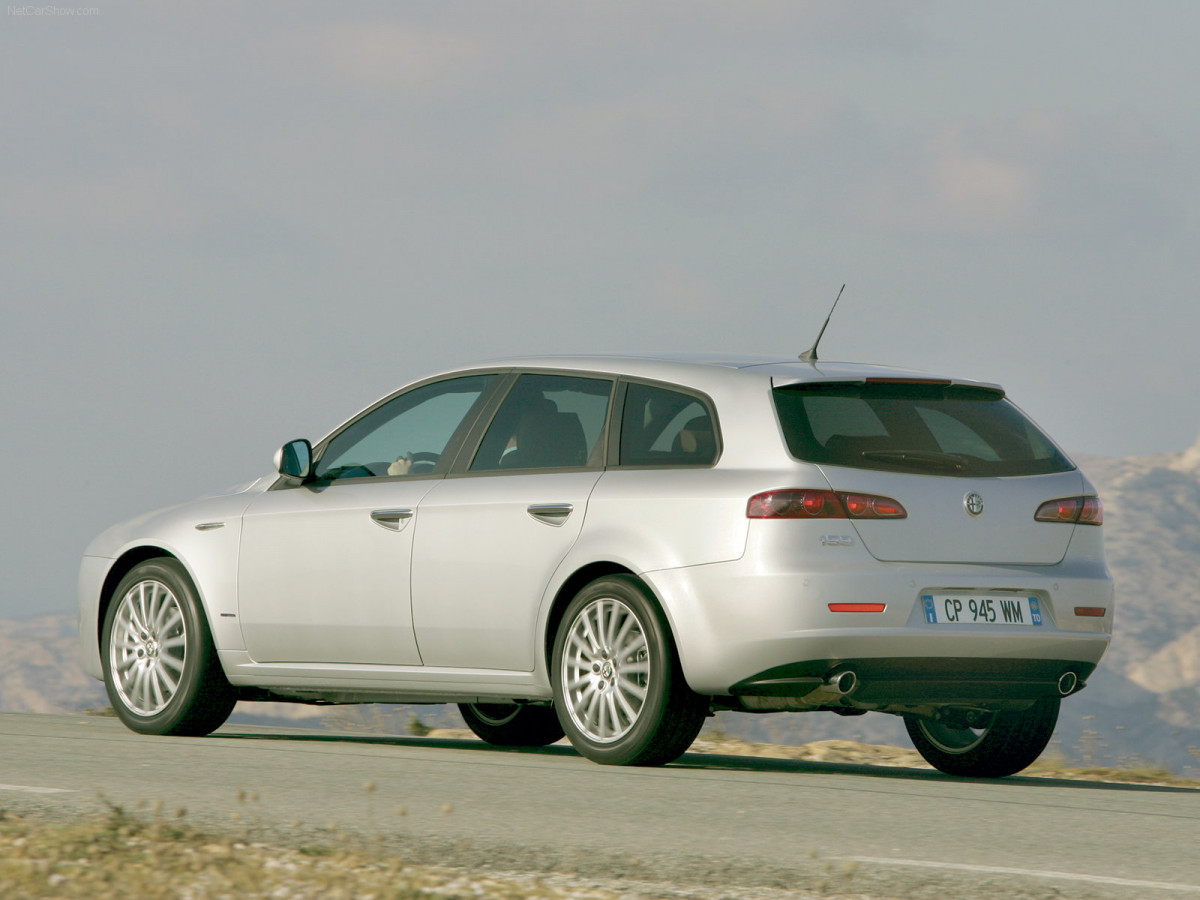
<point x="547" y="421"/>
<point x="406" y="435"/>
<point x="661" y="427"/>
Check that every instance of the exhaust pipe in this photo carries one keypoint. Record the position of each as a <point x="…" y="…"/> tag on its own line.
<point x="831" y="691"/>
<point x="1068" y="684"/>
<point x="842" y="683"/>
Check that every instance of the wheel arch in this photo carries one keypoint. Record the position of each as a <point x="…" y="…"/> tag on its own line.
<point x="201" y="697"/>
<point x="581" y="577"/>
<point x="125" y="564"/>
<point x="665" y="723"/>
<point x="584" y="576"/>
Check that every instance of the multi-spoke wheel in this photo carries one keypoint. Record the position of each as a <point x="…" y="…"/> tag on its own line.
<point x="620" y="694"/>
<point x="991" y="745"/>
<point x="511" y="724"/>
<point x="160" y="667"/>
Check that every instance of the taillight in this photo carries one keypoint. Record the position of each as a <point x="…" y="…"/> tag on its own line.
<point x="870" y="506"/>
<point x="795" y="505"/>
<point x="1072" y="510"/>
<point x="815" y="504"/>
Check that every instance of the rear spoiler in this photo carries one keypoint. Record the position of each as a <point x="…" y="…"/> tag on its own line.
<point x="915" y="380"/>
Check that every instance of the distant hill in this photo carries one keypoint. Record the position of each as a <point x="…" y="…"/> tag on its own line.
<point x="39" y="667"/>
<point x="1143" y="703"/>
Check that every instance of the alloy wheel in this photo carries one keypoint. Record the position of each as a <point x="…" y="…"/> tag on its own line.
<point x="605" y="670"/>
<point x="148" y="647"/>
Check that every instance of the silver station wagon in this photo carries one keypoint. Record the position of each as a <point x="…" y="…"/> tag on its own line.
<point x="612" y="548"/>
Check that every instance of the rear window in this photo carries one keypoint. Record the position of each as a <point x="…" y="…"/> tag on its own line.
<point x="931" y="428"/>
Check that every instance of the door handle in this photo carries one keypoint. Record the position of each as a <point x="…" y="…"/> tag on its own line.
<point x="551" y="513"/>
<point x="391" y="519"/>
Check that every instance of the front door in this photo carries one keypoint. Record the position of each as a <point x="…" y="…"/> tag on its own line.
<point x="324" y="567"/>
<point x="324" y="574"/>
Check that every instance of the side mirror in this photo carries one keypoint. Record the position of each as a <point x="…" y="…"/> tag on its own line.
<point x="294" y="459"/>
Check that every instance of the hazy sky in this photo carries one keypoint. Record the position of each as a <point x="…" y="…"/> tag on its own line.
<point x="226" y="225"/>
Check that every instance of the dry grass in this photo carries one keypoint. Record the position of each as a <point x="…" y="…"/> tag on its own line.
<point x="124" y="857"/>
<point x="119" y="856"/>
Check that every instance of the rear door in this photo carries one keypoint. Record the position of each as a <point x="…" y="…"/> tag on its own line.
<point x="489" y="539"/>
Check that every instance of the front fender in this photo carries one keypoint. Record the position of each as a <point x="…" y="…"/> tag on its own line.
<point x="203" y="536"/>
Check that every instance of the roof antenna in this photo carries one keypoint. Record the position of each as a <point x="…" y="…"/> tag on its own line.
<point x="810" y="355"/>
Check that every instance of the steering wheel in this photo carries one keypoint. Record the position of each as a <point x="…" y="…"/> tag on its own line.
<point x="427" y="460"/>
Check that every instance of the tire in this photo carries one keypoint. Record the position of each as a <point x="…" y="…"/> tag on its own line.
<point x="1006" y="744"/>
<point x="511" y="724"/>
<point x="160" y="666"/>
<point x="618" y="687"/>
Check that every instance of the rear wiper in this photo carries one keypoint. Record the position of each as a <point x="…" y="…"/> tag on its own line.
<point x="949" y="461"/>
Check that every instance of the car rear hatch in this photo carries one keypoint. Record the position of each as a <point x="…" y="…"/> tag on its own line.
<point x="942" y="525"/>
<point x="969" y="469"/>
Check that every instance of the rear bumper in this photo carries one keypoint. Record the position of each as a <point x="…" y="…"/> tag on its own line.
<point x="739" y="626"/>
<point x="919" y="681"/>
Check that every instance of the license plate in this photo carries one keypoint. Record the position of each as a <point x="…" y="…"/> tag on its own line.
<point x="981" y="609"/>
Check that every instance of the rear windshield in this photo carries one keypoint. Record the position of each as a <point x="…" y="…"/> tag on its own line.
<point x="935" y="429"/>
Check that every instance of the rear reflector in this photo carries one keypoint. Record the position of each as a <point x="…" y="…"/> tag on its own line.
<point x="816" y="504"/>
<point x="1072" y="510"/>
<point x="1095" y="612"/>
<point x="858" y="607"/>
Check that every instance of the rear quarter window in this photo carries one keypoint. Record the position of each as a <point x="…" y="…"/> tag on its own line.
<point x="663" y="427"/>
<point x="932" y="428"/>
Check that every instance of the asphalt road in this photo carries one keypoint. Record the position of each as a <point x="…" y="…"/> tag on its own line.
<point x="728" y="823"/>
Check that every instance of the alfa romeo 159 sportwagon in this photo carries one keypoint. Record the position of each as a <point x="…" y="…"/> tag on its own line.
<point x="612" y="548"/>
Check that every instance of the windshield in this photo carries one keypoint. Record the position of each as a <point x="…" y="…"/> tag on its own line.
<point x="927" y="427"/>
